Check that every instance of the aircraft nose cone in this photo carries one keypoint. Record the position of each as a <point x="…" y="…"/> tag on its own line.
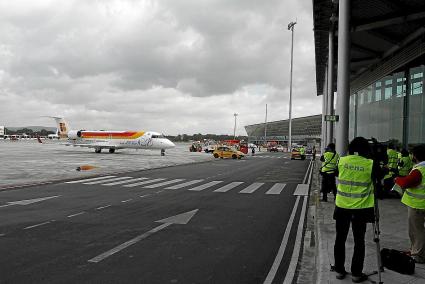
<point x="171" y="144"/>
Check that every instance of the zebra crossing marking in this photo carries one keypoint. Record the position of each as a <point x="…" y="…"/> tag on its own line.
<point x="143" y="182"/>
<point x="273" y="189"/>
<point x="206" y="185"/>
<point x="276" y="188"/>
<point x="177" y="186"/>
<point x="113" y="179"/>
<point x="123" y="181"/>
<point x="251" y="188"/>
<point x="229" y="186"/>
<point x="90" y="179"/>
<point x="164" y="183"/>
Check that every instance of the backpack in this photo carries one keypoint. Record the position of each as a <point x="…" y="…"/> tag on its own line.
<point x="397" y="261"/>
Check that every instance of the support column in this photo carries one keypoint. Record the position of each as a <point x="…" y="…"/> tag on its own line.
<point x="407" y="89"/>
<point x="324" y="142"/>
<point x="343" y="81"/>
<point x="330" y="90"/>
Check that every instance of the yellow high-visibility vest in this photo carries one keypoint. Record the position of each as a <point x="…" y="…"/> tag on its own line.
<point x="330" y="163"/>
<point x="355" y="186"/>
<point x="415" y="197"/>
<point x="405" y="169"/>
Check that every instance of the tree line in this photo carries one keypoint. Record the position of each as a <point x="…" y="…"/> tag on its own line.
<point x="28" y="131"/>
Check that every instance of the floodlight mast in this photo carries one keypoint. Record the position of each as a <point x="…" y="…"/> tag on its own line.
<point x="291" y="28"/>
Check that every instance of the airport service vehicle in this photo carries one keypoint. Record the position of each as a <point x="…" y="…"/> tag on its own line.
<point x="295" y="154"/>
<point x="273" y="149"/>
<point x="227" y="152"/>
<point x="112" y="140"/>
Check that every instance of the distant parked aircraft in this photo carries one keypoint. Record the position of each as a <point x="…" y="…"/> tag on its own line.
<point x="112" y="140"/>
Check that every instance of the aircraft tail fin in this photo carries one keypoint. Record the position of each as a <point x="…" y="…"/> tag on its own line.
<point x="62" y="126"/>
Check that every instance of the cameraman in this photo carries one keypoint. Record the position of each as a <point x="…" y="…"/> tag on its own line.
<point x="414" y="199"/>
<point x="354" y="204"/>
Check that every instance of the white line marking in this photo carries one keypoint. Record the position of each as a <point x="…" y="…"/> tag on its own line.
<point x="281" y="251"/>
<point x="181" y="219"/>
<point x="123" y="181"/>
<point x="290" y="273"/>
<point x="163" y="183"/>
<point x="276" y="188"/>
<point x="302" y="189"/>
<point x="6" y="205"/>
<point x="307" y="172"/>
<point x="38" y="225"/>
<point x="116" y="249"/>
<point x="206" y="185"/>
<point x="184" y="184"/>
<point x="159" y="191"/>
<point x="228" y="187"/>
<point x="143" y="182"/>
<point x="90" y="179"/>
<point x="76" y="214"/>
<point x="103" y="207"/>
<point x="124" y="201"/>
<point x="141" y="196"/>
<point x="2" y="235"/>
<point x="101" y="181"/>
<point x="253" y="187"/>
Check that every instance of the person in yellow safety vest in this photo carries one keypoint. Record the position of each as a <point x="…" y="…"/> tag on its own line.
<point x="405" y="163"/>
<point x="392" y="167"/>
<point x="302" y="152"/>
<point x="328" y="171"/>
<point x="414" y="199"/>
<point x="354" y="204"/>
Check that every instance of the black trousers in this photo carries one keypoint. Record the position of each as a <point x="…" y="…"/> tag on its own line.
<point x="359" y="231"/>
<point x="328" y="185"/>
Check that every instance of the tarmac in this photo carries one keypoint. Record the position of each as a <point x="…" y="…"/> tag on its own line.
<point x="26" y="162"/>
<point x="320" y="236"/>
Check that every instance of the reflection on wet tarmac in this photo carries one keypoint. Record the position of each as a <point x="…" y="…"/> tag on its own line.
<point x="27" y="161"/>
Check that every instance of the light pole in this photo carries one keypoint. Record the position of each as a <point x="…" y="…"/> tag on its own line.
<point x="265" y="129"/>
<point x="291" y="28"/>
<point x="234" y="129"/>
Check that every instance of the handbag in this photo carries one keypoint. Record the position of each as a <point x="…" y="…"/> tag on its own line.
<point x="397" y="261"/>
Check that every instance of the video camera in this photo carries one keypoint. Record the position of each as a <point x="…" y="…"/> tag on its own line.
<point x="378" y="151"/>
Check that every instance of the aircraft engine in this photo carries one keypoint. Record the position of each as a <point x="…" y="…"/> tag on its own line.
<point x="74" y="134"/>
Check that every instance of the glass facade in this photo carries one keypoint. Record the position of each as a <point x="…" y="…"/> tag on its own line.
<point x="383" y="108"/>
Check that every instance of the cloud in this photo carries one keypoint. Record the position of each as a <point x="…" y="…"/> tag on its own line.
<point x="177" y="66"/>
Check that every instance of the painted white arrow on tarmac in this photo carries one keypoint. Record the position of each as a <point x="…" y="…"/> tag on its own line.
<point x="28" y="201"/>
<point x="182" y="219"/>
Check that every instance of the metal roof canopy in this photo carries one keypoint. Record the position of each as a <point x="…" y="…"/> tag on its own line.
<point x="385" y="35"/>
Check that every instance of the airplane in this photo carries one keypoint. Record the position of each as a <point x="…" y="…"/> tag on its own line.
<point x="112" y="140"/>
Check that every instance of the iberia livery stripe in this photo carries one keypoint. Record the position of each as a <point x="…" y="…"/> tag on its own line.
<point x="111" y="134"/>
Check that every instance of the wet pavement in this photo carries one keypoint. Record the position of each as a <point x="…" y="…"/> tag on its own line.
<point x="27" y="161"/>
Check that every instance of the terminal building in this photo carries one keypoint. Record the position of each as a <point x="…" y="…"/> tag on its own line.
<point x="305" y="131"/>
<point x="370" y="57"/>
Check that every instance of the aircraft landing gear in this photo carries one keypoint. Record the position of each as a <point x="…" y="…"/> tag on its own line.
<point x="111" y="150"/>
<point x="162" y="152"/>
<point x="98" y="150"/>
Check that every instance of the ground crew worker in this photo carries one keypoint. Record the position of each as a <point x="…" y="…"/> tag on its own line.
<point x="414" y="199"/>
<point x="405" y="163"/>
<point x="328" y="171"/>
<point x="302" y="152"/>
<point x="354" y="204"/>
<point x="392" y="168"/>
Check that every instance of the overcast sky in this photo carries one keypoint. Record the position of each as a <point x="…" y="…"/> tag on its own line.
<point x="176" y="67"/>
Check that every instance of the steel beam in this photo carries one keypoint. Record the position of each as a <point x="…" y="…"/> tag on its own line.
<point x="389" y="22"/>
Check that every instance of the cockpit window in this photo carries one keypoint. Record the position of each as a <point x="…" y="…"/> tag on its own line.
<point x="158" y="136"/>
